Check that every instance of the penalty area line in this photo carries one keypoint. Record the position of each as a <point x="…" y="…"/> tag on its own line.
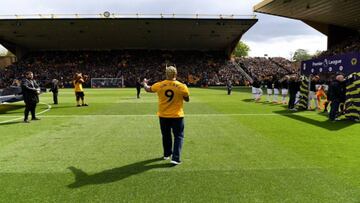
<point x="16" y="118"/>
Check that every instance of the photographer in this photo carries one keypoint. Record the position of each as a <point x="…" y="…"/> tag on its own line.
<point x="30" y="91"/>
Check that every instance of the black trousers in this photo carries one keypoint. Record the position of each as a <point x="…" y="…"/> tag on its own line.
<point x="334" y="109"/>
<point x="292" y="98"/>
<point x="29" y="107"/>
<point x="138" y="92"/>
<point x="229" y="91"/>
<point x="176" y="125"/>
<point x="55" y="97"/>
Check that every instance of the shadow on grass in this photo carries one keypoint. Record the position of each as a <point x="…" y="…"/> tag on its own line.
<point x="328" y="125"/>
<point x="7" y="108"/>
<point x="12" y="122"/>
<point x="266" y="103"/>
<point x="115" y="174"/>
<point x="248" y="100"/>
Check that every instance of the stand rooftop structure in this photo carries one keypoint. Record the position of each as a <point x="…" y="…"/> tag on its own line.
<point x="22" y="34"/>
<point x="336" y="19"/>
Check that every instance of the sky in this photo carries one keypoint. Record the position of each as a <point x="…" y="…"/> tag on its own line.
<point x="274" y="36"/>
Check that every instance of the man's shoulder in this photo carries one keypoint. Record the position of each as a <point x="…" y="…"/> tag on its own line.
<point x="180" y="83"/>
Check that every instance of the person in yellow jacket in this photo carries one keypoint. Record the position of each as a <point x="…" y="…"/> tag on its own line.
<point x="171" y="95"/>
<point x="78" y="82"/>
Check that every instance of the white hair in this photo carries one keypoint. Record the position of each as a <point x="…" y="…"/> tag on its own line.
<point x="171" y="72"/>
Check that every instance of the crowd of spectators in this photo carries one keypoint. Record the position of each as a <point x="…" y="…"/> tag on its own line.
<point x="194" y="68"/>
<point x="258" y="67"/>
<point x="350" y="45"/>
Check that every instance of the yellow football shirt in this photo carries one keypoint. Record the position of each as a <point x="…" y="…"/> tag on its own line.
<point x="78" y="85"/>
<point x="170" y="96"/>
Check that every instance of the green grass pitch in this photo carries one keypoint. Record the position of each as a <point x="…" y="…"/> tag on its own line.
<point x="234" y="151"/>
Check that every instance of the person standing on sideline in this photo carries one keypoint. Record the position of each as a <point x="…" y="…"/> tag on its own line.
<point x="336" y="95"/>
<point x="55" y="90"/>
<point x="294" y="87"/>
<point x="79" y="91"/>
<point x="229" y="87"/>
<point x="30" y="91"/>
<point x="171" y="94"/>
<point x="138" y="88"/>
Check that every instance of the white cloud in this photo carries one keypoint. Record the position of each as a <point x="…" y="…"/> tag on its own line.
<point x="286" y="45"/>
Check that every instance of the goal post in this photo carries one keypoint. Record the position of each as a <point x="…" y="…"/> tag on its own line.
<point x="107" y="82"/>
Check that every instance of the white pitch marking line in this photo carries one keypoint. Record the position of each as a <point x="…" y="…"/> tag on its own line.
<point x="19" y="118"/>
<point x="151" y="115"/>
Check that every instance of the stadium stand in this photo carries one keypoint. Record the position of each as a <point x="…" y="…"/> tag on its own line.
<point x="121" y="46"/>
<point x="195" y="67"/>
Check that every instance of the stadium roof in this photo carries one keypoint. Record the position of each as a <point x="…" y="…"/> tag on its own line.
<point x="344" y="13"/>
<point x="109" y="31"/>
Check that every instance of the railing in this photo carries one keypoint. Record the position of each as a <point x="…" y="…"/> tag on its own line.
<point x="242" y="71"/>
<point x="280" y="66"/>
<point x="126" y="15"/>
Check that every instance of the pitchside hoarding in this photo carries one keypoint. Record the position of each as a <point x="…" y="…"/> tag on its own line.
<point x="346" y="63"/>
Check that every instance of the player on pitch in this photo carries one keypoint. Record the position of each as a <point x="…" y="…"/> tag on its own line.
<point x="171" y="94"/>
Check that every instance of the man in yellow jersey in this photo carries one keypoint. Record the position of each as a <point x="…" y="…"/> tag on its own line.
<point x="79" y="91"/>
<point x="171" y="94"/>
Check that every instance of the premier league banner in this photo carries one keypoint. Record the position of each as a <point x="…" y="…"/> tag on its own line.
<point x="346" y="63"/>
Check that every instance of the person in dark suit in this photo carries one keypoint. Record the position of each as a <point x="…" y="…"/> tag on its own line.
<point x="138" y="87"/>
<point x="294" y="87"/>
<point x="55" y="90"/>
<point x="30" y="91"/>
<point x="336" y="95"/>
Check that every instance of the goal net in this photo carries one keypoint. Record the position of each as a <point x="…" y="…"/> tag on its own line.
<point x="107" y="82"/>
